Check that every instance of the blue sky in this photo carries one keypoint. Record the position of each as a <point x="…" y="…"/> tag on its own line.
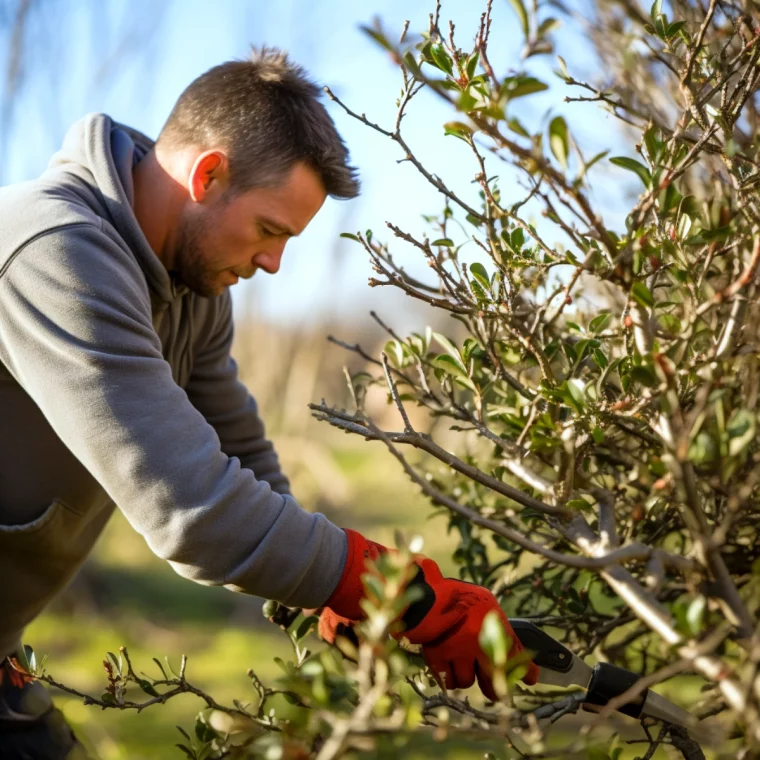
<point x="164" y="45"/>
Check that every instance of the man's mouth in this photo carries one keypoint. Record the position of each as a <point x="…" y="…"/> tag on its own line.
<point x="236" y="276"/>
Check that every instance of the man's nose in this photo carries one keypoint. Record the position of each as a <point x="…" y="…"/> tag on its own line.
<point x="270" y="259"/>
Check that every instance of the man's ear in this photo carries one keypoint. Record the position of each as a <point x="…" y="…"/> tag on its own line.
<point x="210" y="166"/>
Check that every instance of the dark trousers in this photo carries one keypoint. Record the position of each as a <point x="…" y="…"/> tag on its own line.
<point x="31" y="727"/>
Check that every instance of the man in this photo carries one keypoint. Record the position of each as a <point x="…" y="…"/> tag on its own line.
<point x="116" y="383"/>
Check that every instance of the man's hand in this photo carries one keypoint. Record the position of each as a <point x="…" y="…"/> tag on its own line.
<point x="331" y="625"/>
<point x="446" y="621"/>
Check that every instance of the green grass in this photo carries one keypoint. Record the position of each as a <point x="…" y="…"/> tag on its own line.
<point x="219" y="655"/>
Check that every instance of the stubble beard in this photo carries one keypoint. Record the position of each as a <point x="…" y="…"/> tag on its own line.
<point x="191" y="263"/>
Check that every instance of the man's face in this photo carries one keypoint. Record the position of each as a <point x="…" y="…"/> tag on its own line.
<point x="229" y="236"/>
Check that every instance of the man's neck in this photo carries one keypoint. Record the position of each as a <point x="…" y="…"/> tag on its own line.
<point x="156" y="206"/>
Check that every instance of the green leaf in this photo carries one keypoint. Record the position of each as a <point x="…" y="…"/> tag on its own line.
<point x="395" y="351"/>
<point x="522" y="16"/>
<point x="468" y="347"/>
<point x="634" y="166"/>
<point x="472" y="64"/>
<point x="161" y="668"/>
<point x="411" y="63"/>
<point x="183" y="732"/>
<point x="600" y="358"/>
<point x="563" y="72"/>
<point x="558" y="140"/>
<point x="203" y="731"/>
<point x="350" y="236"/>
<point x="305" y="626"/>
<point x="517" y="87"/>
<point x="147" y="687"/>
<point x="643" y="375"/>
<point x="589" y="164"/>
<point x="374" y="585"/>
<point x="466" y="102"/>
<point x="450" y="348"/>
<point x="703" y="449"/>
<point x="580" y="348"/>
<point x="493" y="639"/>
<point x="169" y="666"/>
<point x="479" y="291"/>
<point x="441" y="59"/>
<point x="599" y="323"/>
<point x="597" y="754"/>
<point x="481" y="275"/>
<point x="597" y="434"/>
<point x="741" y="431"/>
<point x="26" y="659"/>
<point x="695" y="615"/>
<point x="642" y="295"/>
<point x="653" y="143"/>
<point x="458" y="129"/>
<point x="443" y="241"/>
<point x="576" y="394"/>
<point x="708" y="236"/>
<point x="378" y="37"/>
<point x="517" y="128"/>
<point x="656" y="10"/>
<point x="548" y="25"/>
<point x="671" y="323"/>
<point x="668" y="198"/>
<point x="449" y="365"/>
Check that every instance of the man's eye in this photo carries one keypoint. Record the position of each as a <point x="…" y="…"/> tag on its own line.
<point x="266" y="232"/>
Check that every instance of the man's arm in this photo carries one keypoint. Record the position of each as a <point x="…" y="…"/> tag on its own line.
<point x="217" y="393"/>
<point x="76" y="333"/>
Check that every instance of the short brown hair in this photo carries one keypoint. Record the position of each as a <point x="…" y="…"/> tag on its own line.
<point x="267" y="115"/>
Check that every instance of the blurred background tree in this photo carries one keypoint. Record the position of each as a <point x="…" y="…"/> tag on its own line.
<point x="589" y="420"/>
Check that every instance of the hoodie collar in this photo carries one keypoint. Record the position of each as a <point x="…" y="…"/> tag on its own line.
<point x="110" y="151"/>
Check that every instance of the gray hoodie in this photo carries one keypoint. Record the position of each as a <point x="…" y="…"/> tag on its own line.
<point x="117" y="389"/>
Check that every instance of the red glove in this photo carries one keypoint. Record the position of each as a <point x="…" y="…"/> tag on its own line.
<point x="446" y="622"/>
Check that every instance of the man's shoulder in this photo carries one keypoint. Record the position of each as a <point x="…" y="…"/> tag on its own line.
<point x="31" y="210"/>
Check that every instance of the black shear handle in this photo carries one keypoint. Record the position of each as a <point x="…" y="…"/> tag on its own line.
<point x="610" y="681"/>
<point x="546" y="651"/>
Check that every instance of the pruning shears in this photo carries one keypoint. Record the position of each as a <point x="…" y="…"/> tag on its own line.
<point x="558" y="666"/>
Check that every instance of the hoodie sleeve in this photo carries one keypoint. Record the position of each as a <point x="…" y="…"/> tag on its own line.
<point x="76" y="333"/>
<point x="217" y="393"/>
